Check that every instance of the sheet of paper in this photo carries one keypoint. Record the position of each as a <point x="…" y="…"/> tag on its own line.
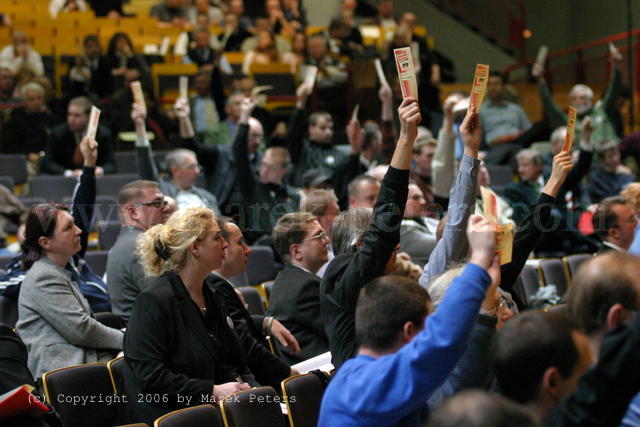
<point x="571" y="130"/>
<point x="310" y="76"/>
<point x="479" y="87"/>
<point x="406" y="72"/>
<point x="321" y="361"/>
<point x="504" y="242"/>
<point x="542" y="55"/>
<point x="164" y="46"/>
<point x="184" y="87"/>
<point x="94" y="118"/>
<point x="354" y="115"/>
<point x="381" y="77"/>
<point x="138" y="96"/>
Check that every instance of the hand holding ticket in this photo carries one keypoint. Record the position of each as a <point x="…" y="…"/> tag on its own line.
<point x="571" y="130"/>
<point x="479" y="87"/>
<point x="504" y="233"/>
<point x="406" y="72"/>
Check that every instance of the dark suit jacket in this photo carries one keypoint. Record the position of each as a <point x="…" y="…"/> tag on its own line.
<point x="171" y="350"/>
<point x="62" y="144"/>
<point x="348" y="273"/>
<point x="295" y="302"/>
<point x="268" y="369"/>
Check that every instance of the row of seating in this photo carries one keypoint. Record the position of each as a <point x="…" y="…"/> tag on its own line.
<point x="549" y="271"/>
<point x="101" y="382"/>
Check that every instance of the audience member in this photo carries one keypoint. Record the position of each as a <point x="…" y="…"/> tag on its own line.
<point x="234" y="33"/>
<point x="170" y="11"/>
<point x="298" y="52"/>
<point x="405" y="355"/>
<point x="141" y="206"/>
<point x="282" y="45"/>
<point x="265" y="52"/>
<point x="503" y="123"/>
<point x="363" y="192"/>
<point x="225" y="131"/>
<point x="122" y="59"/>
<point x="20" y="58"/>
<point x="202" y="106"/>
<point x="539" y="358"/>
<point x="30" y="124"/>
<point x="265" y="197"/>
<point x="301" y="242"/>
<point x="615" y="221"/>
<point x="90" y="75"/>
<point x="63" y="154"/>
<point x="417" y="233"/>
<point x="632" y="195"/>
<point x="213" y="13"/>
<point x="323" y="204"/>
<point x="58" y="6"/>
<point x="182" y="165"/>
<point x="202" y="53"/>
<point x="178" y="342"/>
<point x="612" y="177"/>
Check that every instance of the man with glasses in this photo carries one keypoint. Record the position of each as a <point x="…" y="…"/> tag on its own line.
<point x="295" y="297"/>
<point x="142" y="206"/>
<point x="615" y="223"/>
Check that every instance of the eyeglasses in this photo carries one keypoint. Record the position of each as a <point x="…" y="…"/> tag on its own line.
<point x="320" y="236"/>
<point x="157" y="203"/>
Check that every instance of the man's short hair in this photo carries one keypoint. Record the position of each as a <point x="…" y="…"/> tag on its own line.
<point x="531" y="154"/>
<point x="558" y="133"/>
<point x="90" y="38"/>
<point x="503" y="78"/>
<point x="348" y="228"/>
<point x="317" y="201"/>
<point x="31" y="86"/>
<point x="315" y="117"/>
<point x="354" y="186"/>
<point x="425" y="142"/>
<point x="371" y="132"/>
<point x="134" y="191"/>
<point x="290" y="229"/>
<point x="83" y="102"/>
<point x="604" y="217"/>
<point x="384" y="306"/>
<point x="527" y="346"/>
<point x="177" y="157"/>
<point x="581" y="87"/>
<point x="600" y="283"/>
<point x="479" y="408"/>
<point x="281" y="154"/>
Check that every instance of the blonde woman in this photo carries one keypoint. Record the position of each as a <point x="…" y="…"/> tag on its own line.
<point x="632" y="194"/>
<point x="180" y="349"/>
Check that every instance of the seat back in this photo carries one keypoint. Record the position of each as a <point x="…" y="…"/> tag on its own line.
<point x="258" y="406"/>
<point x="552" y="273"/>
<point x="267" y="286"/>
<point x="110" y="185"/>
<point x="253" y="299"/>
<point x="573" y="263"/>
<point x="86" y="389"/>
<point x="15" y="166"/>
<point x="529" y="283"/>
<point x="126" y="161"/>
<point x="7" y="181"/>
<point x="116" y="372"/>
<point x="303" y="395"/>
<point x="52" y="188"/>
<point x="501" y="175"/>
<point x="97" y="260"/>
<point x="197" y="416"/>
<point x="261" y="266"/>
<point x="105" y="209"/>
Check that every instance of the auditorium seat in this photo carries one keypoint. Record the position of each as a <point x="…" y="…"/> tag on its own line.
<point x="52" y="188"/>
<point x="7" y="181"/>
<point x="15" y="166"/>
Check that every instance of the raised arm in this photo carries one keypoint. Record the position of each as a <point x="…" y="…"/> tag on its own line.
<point x="207" y="154"/>
<point x="442" y="164"/>
<point x="84" y="194"/>
<point x="554" y="114"/>
<point x="246" y="178"/>
<point x="144" y="160"/>
<point x="295" y="132"/>
<point x="452" y="247"/>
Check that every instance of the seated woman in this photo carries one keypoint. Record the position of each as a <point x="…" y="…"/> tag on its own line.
<point x="54" y="320"/>
<point x="265" y="52"/>
<point x="180" y="348"/>
<point x="122" y="59"/>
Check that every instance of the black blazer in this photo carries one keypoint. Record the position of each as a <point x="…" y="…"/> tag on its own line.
<point x="170" y="353"/>
<point x="267" y="368"/>
<point x="62" y="144"/>
<point x="295" y="302"/>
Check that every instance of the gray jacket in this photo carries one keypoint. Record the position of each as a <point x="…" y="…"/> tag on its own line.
<point x="56" y="323"/>
<point x="124" y="273"/>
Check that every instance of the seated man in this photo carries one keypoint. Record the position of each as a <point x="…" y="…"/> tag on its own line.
<point x="21" y="58"/>
<point x="141" y="206"/>
<point x="539" y="357"/>
<point x="182" y="164"/>
<point x="417" y="233"/>
<point x="63" y="154"/>
<point x="202" y="106"/>
<point x="615" y="222"/>
<point x="265" y="198"/>
<point x="224" y="132"/>
<point x="612" y="177"/>
<point x="295" y="297"/>
<point x="503" y="122"/>
<point x="404" y="356"/>
<point x="268" y="369"/>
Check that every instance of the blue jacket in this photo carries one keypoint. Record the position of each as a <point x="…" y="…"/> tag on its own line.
<point x="393" y="389"/>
